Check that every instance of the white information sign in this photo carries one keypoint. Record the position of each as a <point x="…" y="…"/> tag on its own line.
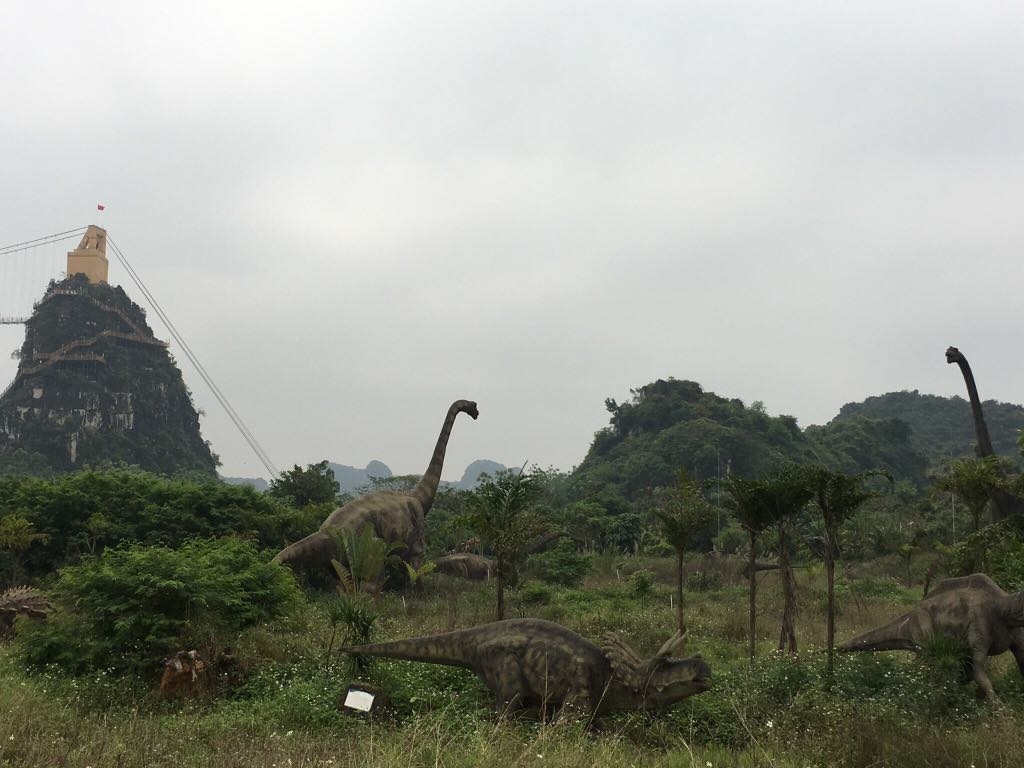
<point x="360" y="700"/>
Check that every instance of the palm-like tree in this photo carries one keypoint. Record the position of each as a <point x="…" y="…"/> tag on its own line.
<point x="749" y="504"/>
<point x="786" y="493"/>
<point x="758" y="505"/>
<point x="836" y="496"/>
<point x="684" y="514"/>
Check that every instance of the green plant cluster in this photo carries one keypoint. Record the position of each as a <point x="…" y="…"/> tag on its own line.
<point x="132" y="605"/>
<point x="562" y="564"/>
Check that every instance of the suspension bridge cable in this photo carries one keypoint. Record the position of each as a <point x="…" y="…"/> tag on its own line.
<point x="193" y="358"/>
<point x="239" y="423"/>
<point x="15" y="247"/>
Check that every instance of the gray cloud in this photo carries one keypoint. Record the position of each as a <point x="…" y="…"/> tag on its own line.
<point x="356" y="215"/>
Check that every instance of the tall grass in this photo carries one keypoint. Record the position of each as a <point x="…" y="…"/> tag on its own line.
<point x="282" y="709"/>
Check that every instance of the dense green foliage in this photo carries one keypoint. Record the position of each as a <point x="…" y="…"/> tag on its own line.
<point x="83" y="513"/>
<point x="95" y="387"/>
<point x="132" y="605"/>
<point x="882" y="709"/>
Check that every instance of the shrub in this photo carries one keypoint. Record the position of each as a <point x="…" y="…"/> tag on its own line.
<point x="561" y="564"/>
<point x="128" y="608"/>
<point x="535" y="593"/>
<point x="875" y="587"/>
<point x="703" y="581"/>
<point x="997" y="550"/>
<point x="641" y="583"/>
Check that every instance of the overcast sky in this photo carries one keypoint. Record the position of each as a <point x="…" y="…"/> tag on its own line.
<point x="356" y="213"/>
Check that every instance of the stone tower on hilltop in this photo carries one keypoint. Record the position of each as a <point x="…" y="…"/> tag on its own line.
<point x="90" y="257"/>
<point x="94" y="385"/>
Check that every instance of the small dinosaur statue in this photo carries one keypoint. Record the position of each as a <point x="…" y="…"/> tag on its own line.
<point x="23" y="601"/>
<point x="466" y="565"/>
<point x="396" y="517"/>
<point x="971" y="609"/>
<point x="532" y="664"/>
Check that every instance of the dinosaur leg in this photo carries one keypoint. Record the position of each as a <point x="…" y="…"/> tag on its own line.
<point x="978" y="658"/>
<point x="503" y="677"/>
<point x="1017" y="649"/>
<point x="966" y="670"/>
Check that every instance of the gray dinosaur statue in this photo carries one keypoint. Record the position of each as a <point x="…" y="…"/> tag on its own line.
<point x="396" y="517"/>
<point x="970" y="609"/>
<point x="532" y="664"/>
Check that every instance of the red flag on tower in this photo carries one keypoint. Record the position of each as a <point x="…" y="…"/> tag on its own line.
<point x="100" y="207"/>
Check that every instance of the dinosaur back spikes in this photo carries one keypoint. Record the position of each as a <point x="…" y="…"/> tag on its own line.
<point x="23" y="601"/>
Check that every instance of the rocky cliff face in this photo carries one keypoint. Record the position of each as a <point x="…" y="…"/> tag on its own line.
<point x="95" y="386"/>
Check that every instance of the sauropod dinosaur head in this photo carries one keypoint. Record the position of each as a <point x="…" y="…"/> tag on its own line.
<point x="953" y="355"/>
<point x="467" y="406"/>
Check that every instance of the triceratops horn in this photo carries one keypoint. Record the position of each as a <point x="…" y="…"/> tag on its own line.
<point x="672" y="643"/>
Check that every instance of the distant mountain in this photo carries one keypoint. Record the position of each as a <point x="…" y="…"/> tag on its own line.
<point x="354" y="479"/>
<point x="471" y="477"/>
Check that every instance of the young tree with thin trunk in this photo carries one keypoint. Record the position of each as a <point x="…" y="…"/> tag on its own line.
<point x="758" y="505"/>
<point x="506" y="515"/>
<point x="684" y="514"/>
<point x="786" y="493"/>
<point x="750" y="507"/>
<point x="836" y="496"/>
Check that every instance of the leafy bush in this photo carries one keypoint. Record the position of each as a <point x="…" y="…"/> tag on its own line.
<point x="534" y="593"/>
<point x="561" y="564"/>
<point x="703" y="581"/>
<point x="128" y="608"/>
<point x="872" y="586"/>
<point x="83" y="513"/>
<point x="997" y="550"/>
<point x="641" y="583"/>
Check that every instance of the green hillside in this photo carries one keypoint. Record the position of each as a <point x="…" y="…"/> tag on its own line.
<point x="670" y="425"/>
<point x="943" y="426"/>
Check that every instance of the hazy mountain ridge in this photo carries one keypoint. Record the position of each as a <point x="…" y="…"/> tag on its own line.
<point x="355" y="480"/>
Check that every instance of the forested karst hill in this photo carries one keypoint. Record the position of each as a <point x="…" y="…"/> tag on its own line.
<point x="672" y="424"/>
<point x="943" y="426"/>
<point x="95" y="386"/>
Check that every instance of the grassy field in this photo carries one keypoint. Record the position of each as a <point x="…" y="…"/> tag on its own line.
<point x="279" y="705"/>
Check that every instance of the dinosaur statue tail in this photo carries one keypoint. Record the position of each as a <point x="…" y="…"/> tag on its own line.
<point x="897" y="635"/>
<point x="317" y="548"/>
<point x="450" y="648"/>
